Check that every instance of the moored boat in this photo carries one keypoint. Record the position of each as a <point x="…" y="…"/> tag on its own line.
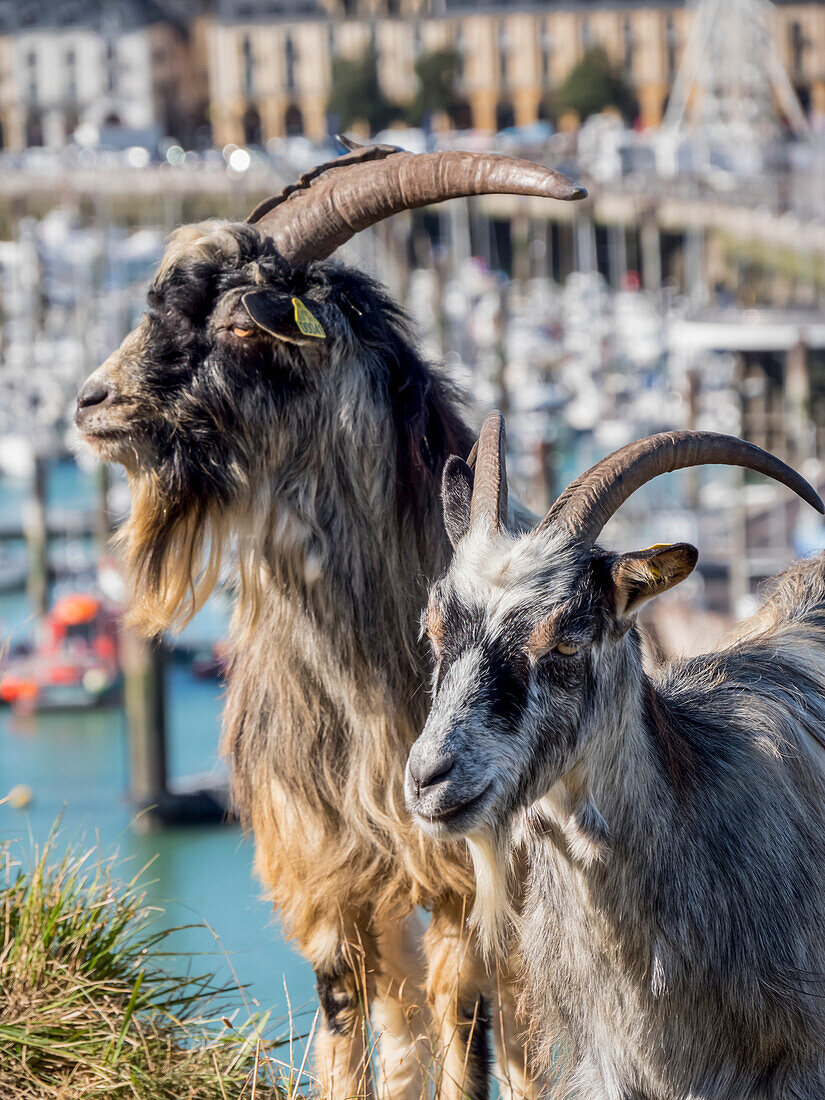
<point x="76" y="666"/>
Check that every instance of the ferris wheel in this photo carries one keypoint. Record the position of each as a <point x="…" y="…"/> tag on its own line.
<point x="731" y="86"/>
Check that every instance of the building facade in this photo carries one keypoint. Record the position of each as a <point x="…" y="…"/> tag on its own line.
<point x="246" y="71"/>
<point x="270" y="60"/>
<point x="117" y="71"/>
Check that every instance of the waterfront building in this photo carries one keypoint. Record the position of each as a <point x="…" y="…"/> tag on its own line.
<point x="270" y="60"/>
<point x="245" y="71"/>
<point x="118" y="71"/>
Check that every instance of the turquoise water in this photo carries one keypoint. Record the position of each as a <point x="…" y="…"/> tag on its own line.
<point x="76" y="765"/>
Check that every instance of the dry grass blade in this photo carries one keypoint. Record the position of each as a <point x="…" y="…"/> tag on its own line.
<point x="87" y="1008"/>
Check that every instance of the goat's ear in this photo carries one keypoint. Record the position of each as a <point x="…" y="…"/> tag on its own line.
<point x="285" y="318"/>
<point x="456" y="494"/>
<point x="646" y="573"/>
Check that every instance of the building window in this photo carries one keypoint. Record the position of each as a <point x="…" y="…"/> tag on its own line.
<point x="31" y="65"/>
<point x="546" y="53"/>
<point x="798" y="44"/>
<point x="503" y="55"/>
<point x="290" y="62"/>
<point x="248" y="67"/>
<point x="462" y="115"/>
<point x="111" y="66"/>
<point x="293" y="120"/>
<point x="252" y="126"/>
<point x="671" y="48"/>
<point x="71" y="74"/>
<point x="587" y="35"/>
<point x="460" y="46"/>
<point x="417" y="45"/>
<point x="629" y="47"/>
<point x="34" y="128"/>
<point x="505" y="115"/>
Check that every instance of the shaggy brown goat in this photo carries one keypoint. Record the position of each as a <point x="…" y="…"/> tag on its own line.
<point x="278" y="402"/>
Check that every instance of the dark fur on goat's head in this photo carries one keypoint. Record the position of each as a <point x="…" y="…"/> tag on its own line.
<point x="249" y="385"/>
<point x="521" y="629"/>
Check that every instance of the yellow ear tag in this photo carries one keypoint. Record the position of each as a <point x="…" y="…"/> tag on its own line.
<point x="653" y="569"/>
<point x="307" y="324"/>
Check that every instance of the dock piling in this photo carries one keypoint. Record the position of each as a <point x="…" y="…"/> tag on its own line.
<point x="145" y="698"/>
<point x="36" y="535"/>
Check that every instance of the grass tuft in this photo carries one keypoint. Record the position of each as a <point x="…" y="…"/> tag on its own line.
<point x="86" y="1006"/>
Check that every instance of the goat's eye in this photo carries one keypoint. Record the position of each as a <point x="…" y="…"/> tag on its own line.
<point x="243" y="333"/>
<point x="567" y="649"/>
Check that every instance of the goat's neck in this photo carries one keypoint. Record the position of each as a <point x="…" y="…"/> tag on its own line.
<point x="348" y="577"/>
<point x="633" y="769"/>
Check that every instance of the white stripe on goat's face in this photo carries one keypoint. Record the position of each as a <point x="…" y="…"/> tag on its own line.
<point x="508" y="703"/>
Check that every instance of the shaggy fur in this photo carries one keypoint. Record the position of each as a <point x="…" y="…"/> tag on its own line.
<point x="318" y="462"/>
<point x="672" y="935"/>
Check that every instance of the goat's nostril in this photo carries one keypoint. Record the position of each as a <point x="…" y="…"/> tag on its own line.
<point x="426" y="773"/>
<point x="94" y="392"/>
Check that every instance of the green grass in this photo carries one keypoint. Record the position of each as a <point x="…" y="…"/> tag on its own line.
<point x="88" y="1007"/>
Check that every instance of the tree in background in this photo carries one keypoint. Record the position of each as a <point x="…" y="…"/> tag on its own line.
<point x="355" y="93"/>
<point x="593" y="84"/>
<point x="438" y="74"/>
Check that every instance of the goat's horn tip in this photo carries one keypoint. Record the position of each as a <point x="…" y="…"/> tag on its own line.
<point x="347" y="142"/>
<point x="811" y="496"/>
<point x="568" y="190"/>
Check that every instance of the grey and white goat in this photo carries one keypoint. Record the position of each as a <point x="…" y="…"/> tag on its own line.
<point x="673" y="930"/>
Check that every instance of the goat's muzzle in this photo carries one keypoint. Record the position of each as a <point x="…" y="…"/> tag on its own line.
<point x="442" y="798"/>
<point x="102" y="416"/>
<point x="96" y="391"/>
<point x="96" y="397"/>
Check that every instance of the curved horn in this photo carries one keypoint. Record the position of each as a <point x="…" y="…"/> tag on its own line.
<point x="489" y="502"/>
<point x="327" y="206"/>
<point x="587" y="503"/>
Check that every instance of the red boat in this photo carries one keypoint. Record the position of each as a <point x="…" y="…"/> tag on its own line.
<point x="76" y="667"/>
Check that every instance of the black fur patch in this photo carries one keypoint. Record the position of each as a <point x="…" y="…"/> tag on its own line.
<point x="456" y="495"/>
<point x="424" y="406"/>
<point x="479" y="1059"/>
<point x="328" y="984"/>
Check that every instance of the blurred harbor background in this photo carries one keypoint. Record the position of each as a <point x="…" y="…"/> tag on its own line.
<point x="687" y="291"/>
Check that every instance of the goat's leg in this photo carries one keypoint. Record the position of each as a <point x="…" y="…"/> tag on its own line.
<point x="345" y="964"/>
<point x="516" y="1081"/>
<point x="455" y="990"/>
<point x="400" y="1016"/>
